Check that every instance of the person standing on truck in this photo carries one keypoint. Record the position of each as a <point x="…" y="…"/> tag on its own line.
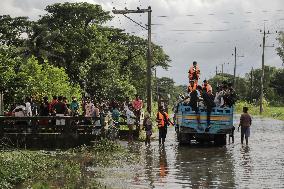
<point x="163" y="120"/>
<point x="208" y="99"/>
<point x="245" y="123"/>
<point x="194" y="72"/>
<point x="207" y="86"/>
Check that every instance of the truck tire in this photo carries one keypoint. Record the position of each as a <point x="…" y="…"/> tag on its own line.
<point x="220" y="139"/>
<point x="184" y="138"/>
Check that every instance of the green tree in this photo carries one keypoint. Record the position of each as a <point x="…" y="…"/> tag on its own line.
<point x="77" y="34"/>
<point x="14" y="30"/>
<point x="21" y="77"/>
<point x="166" y="89"/>
<point x="280" y="49"/>
<point x="277" y="83"/>
<point x="45" y="80"/>
<point x="104" y="61"/>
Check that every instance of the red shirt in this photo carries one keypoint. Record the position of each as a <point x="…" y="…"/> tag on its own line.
<point x="137" y="104"/>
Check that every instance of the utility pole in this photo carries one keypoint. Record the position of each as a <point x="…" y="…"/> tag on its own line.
<point x="216" y="70"/>
<point x="149" y="51"/>
<point x="222" y="69"/>
<point x="235" y="66"/>
<point x="149" y="59"/>
<point x="157" y="87"/>
<point x="262" y="73"/>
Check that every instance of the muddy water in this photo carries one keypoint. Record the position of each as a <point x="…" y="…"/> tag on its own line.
<point x="258" y="165"/>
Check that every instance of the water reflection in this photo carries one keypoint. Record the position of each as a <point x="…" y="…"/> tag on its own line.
<point x="149" y="171"/>
<point x="164" y="170"/>
<point x="259" y="165"/>
<point x="205" y="167"/>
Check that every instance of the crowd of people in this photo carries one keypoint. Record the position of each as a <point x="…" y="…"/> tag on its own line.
<point x="86" y="107"/>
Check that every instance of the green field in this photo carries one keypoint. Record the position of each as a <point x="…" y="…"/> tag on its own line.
<point x="269" y="111"/>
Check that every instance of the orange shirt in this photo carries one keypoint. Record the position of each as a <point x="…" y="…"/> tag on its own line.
<point x="208" y="88"/>
<point x="193" y="70"/>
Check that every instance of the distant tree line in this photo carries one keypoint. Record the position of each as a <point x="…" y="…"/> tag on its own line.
<point x="248" y="87"/>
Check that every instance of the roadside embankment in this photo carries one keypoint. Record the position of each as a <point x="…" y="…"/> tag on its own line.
<point x="80" y="167"/>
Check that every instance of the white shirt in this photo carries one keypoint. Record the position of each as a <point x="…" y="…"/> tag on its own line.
<point x="130" y="117"/>
<point x="29" y="109"/>
<point x="219" y="100"/>
<point x="20" y="111"/>
<point x="90" y="108"/>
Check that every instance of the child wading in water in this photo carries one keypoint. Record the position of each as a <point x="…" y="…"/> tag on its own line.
<point x="245" y="123"/>
<point x="148" y="128"/>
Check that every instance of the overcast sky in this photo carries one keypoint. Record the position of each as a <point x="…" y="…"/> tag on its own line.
<point x="202" y="30"/>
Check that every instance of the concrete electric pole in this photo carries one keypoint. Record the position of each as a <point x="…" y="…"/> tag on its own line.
<point x="149" y="51"/>
<point x="263" y="66"/>
<point x="235" y="66"/>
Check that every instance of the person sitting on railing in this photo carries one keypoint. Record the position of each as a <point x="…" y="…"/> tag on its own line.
<point x="44" y="110"/>
<point x="20" y="111"/>
<point x="89" y="110"/>
<point x="97" y="115"/>
<point x="44" y="107"/>
<point x="52" y="104"/>
<point x="74" y="106"/>
<point x="28" y="107"/>
<point x="60" y="110"/>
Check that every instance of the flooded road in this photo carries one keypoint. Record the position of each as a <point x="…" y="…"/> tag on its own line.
<point x="259" y="165"/>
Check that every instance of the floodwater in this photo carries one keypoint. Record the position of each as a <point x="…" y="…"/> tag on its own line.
<point x="258" y="165"/>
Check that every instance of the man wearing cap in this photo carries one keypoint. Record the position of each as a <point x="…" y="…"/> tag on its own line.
<point x="194" y="72"/>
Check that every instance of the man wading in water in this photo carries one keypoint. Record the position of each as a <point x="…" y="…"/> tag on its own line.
<point x="163" y="122"/>
<point x="245" y="123"/>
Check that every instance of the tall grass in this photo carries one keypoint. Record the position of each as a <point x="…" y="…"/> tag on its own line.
<point x="268" y="111"/>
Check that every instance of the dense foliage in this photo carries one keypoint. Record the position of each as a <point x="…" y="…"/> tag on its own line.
<point x="105" y="62"/>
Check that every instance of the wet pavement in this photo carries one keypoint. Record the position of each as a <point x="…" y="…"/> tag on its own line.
<point x="258" y="165"/>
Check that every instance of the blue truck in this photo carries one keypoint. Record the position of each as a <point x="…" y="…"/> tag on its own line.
<point x="188" y="127"/>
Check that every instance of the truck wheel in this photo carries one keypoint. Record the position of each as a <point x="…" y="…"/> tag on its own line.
<point x="184" y="138"/>
<point x="220" y="139"/>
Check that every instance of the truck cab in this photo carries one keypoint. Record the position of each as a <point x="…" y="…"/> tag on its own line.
<point x="188" y="127"/>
